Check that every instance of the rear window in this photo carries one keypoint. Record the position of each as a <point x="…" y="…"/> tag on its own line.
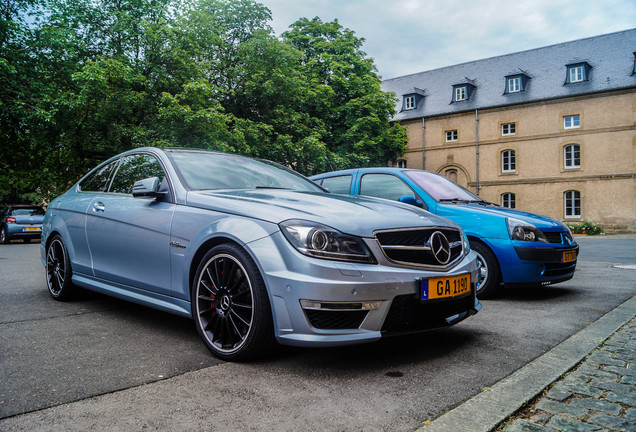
<point x="27" y="211"/>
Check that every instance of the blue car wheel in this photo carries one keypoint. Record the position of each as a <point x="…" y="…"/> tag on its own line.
<point x="489" y="276"/>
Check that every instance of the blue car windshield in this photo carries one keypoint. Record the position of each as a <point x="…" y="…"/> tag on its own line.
<point x="440" y="188"/>
<point x="211" y="171"/>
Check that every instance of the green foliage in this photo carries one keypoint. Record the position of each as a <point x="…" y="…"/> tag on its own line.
<point x="585" y="227"/>
<point x="86" y="79"/>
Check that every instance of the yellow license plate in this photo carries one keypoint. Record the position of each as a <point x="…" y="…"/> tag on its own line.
<point x="568" y="256"/>
<point x="33" y="229"/>
<point x="445" y="287"/>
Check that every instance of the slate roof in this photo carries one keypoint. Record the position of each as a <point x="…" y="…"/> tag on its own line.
<point x="611" y="57"/>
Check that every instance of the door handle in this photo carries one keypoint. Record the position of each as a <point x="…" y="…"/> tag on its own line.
<point x="99" y="207"/>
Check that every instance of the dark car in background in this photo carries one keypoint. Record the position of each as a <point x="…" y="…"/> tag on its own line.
<point x="21" y="221"/>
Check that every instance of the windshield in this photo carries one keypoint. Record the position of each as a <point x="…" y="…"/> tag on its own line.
<point x="440" y="187"/>
<point x="210" y="171"/>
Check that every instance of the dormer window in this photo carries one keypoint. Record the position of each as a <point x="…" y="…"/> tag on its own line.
<point x="409" y="102"/>
<point x="412" y="99"/>
<point x="578" y="72"/>
<point x="462" y="92"/>
<point x="516" y="83"/>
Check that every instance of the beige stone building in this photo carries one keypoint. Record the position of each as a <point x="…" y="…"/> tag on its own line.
<point x="550" y="131"/>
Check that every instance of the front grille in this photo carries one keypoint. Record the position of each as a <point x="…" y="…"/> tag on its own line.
<point x="559" y="269"/>
<point x="553" y="237"/>
<point x="336" y="320"/>
<point x="409" y="314"/>
<point x="412" y="246"/>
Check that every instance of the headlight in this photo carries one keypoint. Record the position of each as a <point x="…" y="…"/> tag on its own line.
<point x="320" y="241"/>
<point x="524" y="231"/>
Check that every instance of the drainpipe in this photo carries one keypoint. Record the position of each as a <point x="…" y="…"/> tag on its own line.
<point x="423" y="144"/>
<point x="477" y="187"/>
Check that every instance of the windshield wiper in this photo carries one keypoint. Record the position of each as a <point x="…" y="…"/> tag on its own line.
<point x="454" y="200"/>
<point x="271" y="187"/>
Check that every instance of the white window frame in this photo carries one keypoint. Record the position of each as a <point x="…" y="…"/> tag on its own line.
<point x="452" y="135"/>
<point x="570" y="152"/>
<point x="577" y="74"/>
<point x="514" y="85"/>
<point x="508" y="161"/>
<point x="508" y="198"/>
<point x="508" y="129"/>
<point x="570" y="199"/>
<point x="572" y="121"/>
<point x="401" y="163"/>
<point x="460" y="93"/>
<point x="409" y="102"/>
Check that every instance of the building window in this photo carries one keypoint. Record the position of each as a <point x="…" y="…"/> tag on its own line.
<point x="508" y="200"/>
<point x="572" y="156"/>
<point x="508" y="129"/>
<point x="451" y="135"/>
<point x="409" y="102"/>
<point x="508" y="162"/>
<point x="572" y="121"/>
<point x="451" y="174"/>
<point x="572" y="204"/>
<point x="460" y="94"/>
<point x="577" y="72"/>
<point x="401" y="163"/>
<point x="514" y="84"/>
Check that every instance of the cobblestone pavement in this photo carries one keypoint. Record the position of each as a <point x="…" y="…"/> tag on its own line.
<point x="598" y="395"/>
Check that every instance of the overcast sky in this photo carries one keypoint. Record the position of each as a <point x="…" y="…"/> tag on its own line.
<point x="410" y="36"/>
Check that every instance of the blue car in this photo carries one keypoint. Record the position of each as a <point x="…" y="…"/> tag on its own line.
<point x="255" y="253"/>
<point x="21" y="221"/>
<point x="514" y="248"/>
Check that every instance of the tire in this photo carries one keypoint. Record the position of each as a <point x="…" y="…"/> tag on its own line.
<point x="489" y="282"/>
<point x="58" y="270"/>
<point x="4" y="236"/>
<point x="230" y="305"/>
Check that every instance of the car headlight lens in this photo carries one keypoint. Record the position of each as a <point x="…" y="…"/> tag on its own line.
<point x="524" y="231"/>
<point x="320" y="241"/>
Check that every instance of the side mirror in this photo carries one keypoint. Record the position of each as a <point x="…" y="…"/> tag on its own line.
<point x="147" y="188"/>
<point x="407" y="199"/>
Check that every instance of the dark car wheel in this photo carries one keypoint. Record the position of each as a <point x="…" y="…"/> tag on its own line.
<point x="230" y="304"/>
<point x="4" y="236"/>
<point x="58" y="270"/>
<point x="489" y="280"/>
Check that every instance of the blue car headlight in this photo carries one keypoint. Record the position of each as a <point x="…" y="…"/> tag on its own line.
<point x="524" y="231"/>
<point x="320" y="241"/>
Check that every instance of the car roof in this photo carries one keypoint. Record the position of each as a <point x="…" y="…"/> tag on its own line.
<point x="366" y="170"/>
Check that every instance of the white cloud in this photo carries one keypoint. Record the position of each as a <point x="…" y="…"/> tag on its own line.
<point x="410" y="36"/>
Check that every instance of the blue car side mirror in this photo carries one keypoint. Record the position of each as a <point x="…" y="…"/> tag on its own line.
<point x="407" y="199"/>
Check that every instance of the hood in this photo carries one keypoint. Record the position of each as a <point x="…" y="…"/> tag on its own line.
<point x="488" y="211"/>
<point x="354" y="215"/>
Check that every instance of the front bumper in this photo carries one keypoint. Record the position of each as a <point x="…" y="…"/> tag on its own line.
<point x="526" y="264"/>
<point x="322" y="302"/>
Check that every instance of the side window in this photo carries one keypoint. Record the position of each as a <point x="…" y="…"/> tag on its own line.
<point x="338" y="185"/>
<point x="98" y="181"/>
<point x="133" y="168"/>
<point x="384" y="186"/>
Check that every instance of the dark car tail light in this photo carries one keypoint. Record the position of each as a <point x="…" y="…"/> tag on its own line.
<point x="10" y="219"/>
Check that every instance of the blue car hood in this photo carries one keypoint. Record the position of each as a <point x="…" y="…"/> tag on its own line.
<point x="355" y="215"/>
<point x="487" y="213"/>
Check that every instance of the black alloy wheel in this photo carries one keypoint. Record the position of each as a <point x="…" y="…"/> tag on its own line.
<point x="230" y="304"/>
<point x="58" y="270"/>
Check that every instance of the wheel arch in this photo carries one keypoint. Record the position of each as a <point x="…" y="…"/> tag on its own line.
<point x="473" y="238"/>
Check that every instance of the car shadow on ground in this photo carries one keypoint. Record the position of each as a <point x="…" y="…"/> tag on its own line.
<point x="540" y="293"/>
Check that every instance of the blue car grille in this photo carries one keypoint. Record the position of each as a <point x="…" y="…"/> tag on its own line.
<point x="558" y="237"/>
<point x="411" y="246"/>
<point x="559" y="269"/>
